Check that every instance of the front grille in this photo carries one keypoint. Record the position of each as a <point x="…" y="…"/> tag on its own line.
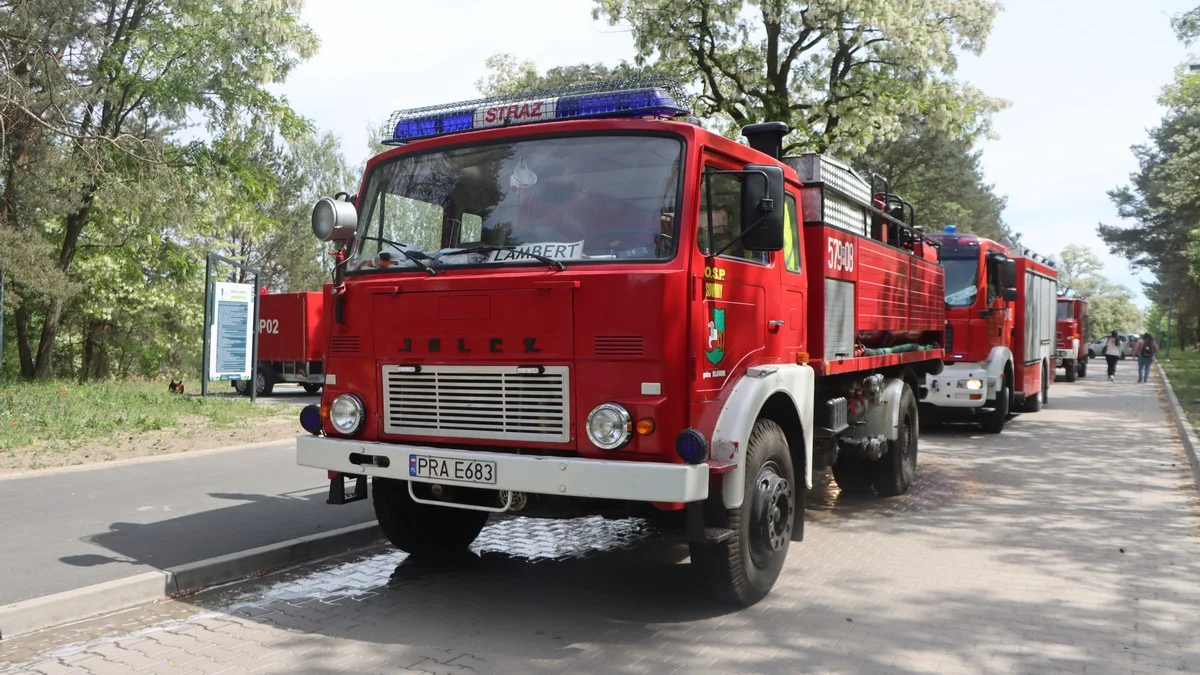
<point x="492" y="402"/>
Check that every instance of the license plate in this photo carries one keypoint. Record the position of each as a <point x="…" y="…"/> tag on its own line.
<point x="460" y="470"/>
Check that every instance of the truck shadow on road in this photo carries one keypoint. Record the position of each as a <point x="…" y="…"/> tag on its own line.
<point x="261" y="519"/>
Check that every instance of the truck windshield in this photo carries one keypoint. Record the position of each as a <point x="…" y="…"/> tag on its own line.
<point x="962" y="281"/>
<point x="584" y="198"/>
<point x="1064" y="311"/>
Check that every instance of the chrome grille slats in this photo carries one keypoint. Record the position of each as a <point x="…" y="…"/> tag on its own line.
<point x="486" y="402"/>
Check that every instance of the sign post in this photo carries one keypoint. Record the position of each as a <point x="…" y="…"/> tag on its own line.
<point x="230" y="328"/>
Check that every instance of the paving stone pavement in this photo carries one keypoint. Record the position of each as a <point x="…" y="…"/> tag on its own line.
<point x="1070" y="543"/>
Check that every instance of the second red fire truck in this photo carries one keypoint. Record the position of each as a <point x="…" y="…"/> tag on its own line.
<point x="1072" y="336"/>
<point x="1000" y="314"/>
<point x="578" y="302"/>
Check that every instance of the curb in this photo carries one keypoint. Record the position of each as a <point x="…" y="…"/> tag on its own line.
<point x="79" y="604"/>
<point x="149" y="459"/>
<point x="1187" y="433"/>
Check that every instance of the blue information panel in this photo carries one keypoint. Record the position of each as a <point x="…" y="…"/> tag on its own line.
<point x="231" y="339"/>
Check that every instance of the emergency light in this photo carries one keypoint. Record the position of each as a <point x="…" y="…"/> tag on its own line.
<point x="607" y="99"/>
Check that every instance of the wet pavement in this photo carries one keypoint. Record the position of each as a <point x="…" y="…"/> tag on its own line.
<point x="1070" y="543"/>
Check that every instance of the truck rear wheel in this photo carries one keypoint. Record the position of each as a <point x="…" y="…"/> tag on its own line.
<point x="421" y="529"/>
<point x="311" y="387"/>
<point x="1034" y="404"/>
<point x="743" y="569"/>
<point x="993" y="422"/>
<point x="896" y="471"/>
<point x="852" y="474"/>
<point x="1083" y="367"/>
<point x="1072" y="370"/>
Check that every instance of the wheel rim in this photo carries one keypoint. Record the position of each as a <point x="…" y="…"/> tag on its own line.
<point x="771" y="514"/>
<point x="260" y="383"/>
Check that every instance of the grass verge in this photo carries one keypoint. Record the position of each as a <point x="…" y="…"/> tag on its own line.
<point x="57" y="423"/>
<point x="1184" y="371"/>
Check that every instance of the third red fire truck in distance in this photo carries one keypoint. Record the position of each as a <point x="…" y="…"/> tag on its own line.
<point x="1000" y="314"/>
<point x="579" y="302"/>
<point x="1072" y="336"/>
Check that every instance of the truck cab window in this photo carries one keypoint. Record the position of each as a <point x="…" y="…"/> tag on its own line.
<point x="725" y="190"/>
<point x="993" y="281"/>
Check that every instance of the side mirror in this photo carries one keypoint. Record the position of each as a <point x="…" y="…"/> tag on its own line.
<point x="334" y="220"/>
<point x="762" y="208"/>
<point x="1008" y="273"/>
<point x="1009" y="294"/>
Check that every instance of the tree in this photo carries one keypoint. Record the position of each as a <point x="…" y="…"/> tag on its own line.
<point x="1110" y="306"/>
<point x="844" y="74"/>
<point x="102" y="85"/>
<point x="1163" y="202"/>
<point x="940" y="174"/>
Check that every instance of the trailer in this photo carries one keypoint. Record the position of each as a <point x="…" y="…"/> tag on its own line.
<point x="1000" y="314"/>
<point x="292" y="332"/>
<point x="579" y="302"/>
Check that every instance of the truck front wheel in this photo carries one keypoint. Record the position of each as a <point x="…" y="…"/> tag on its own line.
<point x="743" y="569"/>
<point x="993" y="422"/>
<point x="421" y="529"/>
<point x="1083" y="367"/>
<point x="896" y="471"/>
<point x="1072" y="370"/>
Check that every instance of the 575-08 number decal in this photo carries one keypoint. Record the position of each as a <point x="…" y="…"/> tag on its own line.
<point x="841" y="255"/>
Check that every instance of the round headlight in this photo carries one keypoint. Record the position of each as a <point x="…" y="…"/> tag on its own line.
<point x="609" y="426"/>
<point x="975" y="384"/>
<point x="347" y="414"/>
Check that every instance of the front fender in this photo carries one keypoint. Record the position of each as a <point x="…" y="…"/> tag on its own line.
<point x="731" y="436"/>
<point x="997" y="359"/>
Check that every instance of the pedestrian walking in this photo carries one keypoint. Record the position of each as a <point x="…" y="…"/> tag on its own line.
<point x="1145" y="351"/>
<point x="1112" y="354"/>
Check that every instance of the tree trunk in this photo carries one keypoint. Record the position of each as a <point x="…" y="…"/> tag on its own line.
<point x="43" y="368"/>
<point x="23" y="345"/>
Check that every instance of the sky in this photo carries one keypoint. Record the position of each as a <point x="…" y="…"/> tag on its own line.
<point x="1081" y="78"/>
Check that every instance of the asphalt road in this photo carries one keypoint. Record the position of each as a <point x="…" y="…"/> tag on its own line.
<point x="1067" y="544"/>
<point x="67" y="530"/>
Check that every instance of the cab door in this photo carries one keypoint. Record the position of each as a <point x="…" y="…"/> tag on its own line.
<point x="731" y="291"/>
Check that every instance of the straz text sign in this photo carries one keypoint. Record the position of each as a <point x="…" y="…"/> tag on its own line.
<point x="516" y="113"/>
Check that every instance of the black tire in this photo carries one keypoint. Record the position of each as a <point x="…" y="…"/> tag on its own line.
<point x="241" y="387"/>
<point x="1083" y="367"/>
<point x="265" y="382"/>
<point x="743" y="570"/>
<point x="1072" y="370"/>
<point x="421" y="529"/>
<point x="896" y="471"/>
<point x="1040" y="399"/>
<point x="311" y="388"/>
<point x="993" y="422"/>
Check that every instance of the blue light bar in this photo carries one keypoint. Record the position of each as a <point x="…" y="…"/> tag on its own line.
<point x="427" y="123"/>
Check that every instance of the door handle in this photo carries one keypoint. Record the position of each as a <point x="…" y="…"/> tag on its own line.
<point x="774" y="324"/>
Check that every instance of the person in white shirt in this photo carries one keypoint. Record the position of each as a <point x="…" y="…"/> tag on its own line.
<point x="1112" y="354"/>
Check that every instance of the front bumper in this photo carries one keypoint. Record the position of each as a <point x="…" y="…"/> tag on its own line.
<point x="1064" y="355"/>
<point x="595" y="478"/>
<point x="943" y="390"/>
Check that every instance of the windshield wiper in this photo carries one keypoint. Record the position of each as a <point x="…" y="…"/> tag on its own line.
<point x="418" y="259"/>
<point x="486" y="248"/>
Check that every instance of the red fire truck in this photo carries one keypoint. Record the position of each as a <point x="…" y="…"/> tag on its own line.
<point x="1072" y="336"/>
<point x="292" y="332"/>
<point x="1000" y="331"/>
<point x="577" y="303"/>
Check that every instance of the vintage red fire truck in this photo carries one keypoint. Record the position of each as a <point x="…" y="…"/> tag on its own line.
<point x="581" y="303"/>
<point x="292" y="332"/>
<point x="1072" y="336"/>
<point x="1000" y="351"/>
